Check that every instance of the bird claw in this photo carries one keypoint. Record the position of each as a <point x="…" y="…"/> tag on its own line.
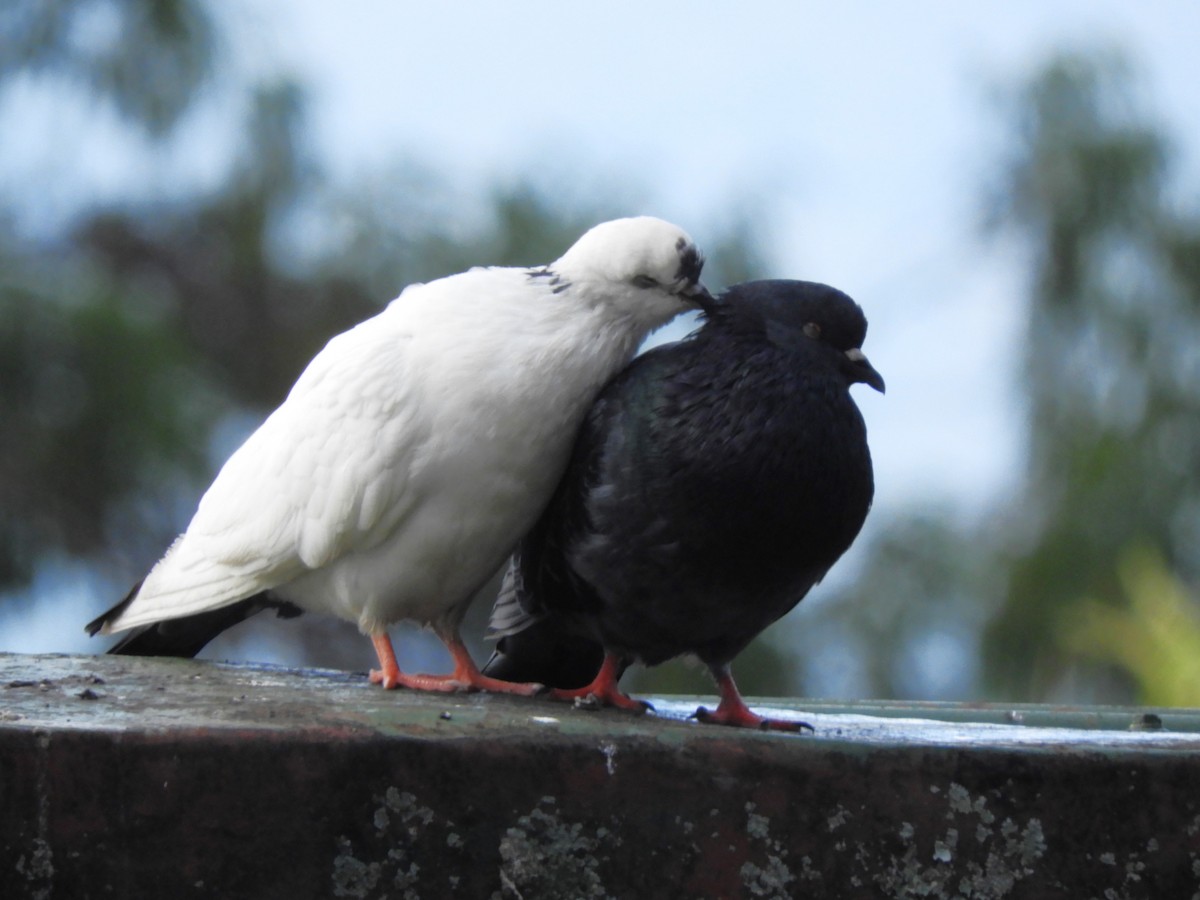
<point x="593" y="701"/>
<point x="748" y="720"/>
<point x="387" y="680"/>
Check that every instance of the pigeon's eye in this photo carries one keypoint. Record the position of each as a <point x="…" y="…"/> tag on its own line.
<point x="644" y="281"/>
<point x="813" y="330"/>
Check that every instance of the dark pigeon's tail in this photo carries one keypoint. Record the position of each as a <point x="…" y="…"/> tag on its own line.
<point x="535" y="647"/>
<point x="547" y="653"/>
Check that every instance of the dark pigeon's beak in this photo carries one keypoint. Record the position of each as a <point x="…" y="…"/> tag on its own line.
<point x="863" y="371"/>
<point x="697" y="295"/>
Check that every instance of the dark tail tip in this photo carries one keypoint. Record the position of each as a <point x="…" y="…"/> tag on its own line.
<point x="94" y="626"/>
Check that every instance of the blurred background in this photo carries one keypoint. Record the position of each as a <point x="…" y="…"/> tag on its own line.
<point x="195" y="196"/>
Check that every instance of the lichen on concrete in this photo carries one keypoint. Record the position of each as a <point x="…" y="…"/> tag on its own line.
<point x="352" y="877"/>
<point x="609" y="749"/>
<point x="38" y="868"/>
<point x="771" y="881"/>
<point x="36" y="865"/>
<point x="772" y="877"/>
<point x="1010" y="852"/>
<point x="544" y="856"/>
<point x="382" y="795"/>
<point x="837" y="818"/>
<point x="389" y="867"/>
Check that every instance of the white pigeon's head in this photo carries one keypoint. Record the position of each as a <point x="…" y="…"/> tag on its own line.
<point x="642" y="267"/>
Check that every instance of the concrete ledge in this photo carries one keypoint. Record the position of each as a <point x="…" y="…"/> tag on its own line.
<point x="161" y="778"/>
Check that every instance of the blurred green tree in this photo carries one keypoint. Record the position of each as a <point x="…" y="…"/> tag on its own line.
<point x="147" y="58"/>
<point x="1154" y="637"/>
<point x="86" y="374"/>
<point x="1110" y="370"/>
<point x="132" y="358"/>
<point x="144" y="339"/>
<point x="1111" y="383"/>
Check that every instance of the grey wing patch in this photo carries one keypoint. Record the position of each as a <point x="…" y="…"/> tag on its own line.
<point x="508" y="615"/>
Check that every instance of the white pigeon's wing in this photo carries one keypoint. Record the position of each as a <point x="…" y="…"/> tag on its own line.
<point x="325" y="473"/>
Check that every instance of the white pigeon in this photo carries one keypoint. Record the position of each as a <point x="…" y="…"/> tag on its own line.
<point x="419" y="446"/>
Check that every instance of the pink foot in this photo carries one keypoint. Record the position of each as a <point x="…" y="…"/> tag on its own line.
<point x="466" y="676"/>
<point x="733" y="711"/>
<point x="604" y="690"/>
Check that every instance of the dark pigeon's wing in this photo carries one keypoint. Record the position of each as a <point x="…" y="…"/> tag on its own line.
<point x="545" y="650"/>
<point x="535" y="615"/>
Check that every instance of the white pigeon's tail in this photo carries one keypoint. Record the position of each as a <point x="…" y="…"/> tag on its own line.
<point x="177" y="587"/>
<point x="102" y="622"/>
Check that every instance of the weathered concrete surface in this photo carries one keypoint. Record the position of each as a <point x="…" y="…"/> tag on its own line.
<point x="154" y="778"/>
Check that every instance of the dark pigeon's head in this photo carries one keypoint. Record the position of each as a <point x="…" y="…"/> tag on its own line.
<point x="798" y="313"/>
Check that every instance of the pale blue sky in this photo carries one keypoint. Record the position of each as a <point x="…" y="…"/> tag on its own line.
<point x="865" y="128"/>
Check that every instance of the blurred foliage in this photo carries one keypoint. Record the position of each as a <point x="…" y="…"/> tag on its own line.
<point x="147" y="58"/>
<point x="140" y="344"/>
<point x="1154" y="637"/>
<point x="1111" y="383"/>
<point x="133" y="357"/>
<point x="763" y="669"/>
<point x="1111" y="373"/>
<point x="910" y="616"/>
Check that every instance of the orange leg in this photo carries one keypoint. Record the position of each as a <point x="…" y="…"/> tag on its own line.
<point x="733" y="710"/>
<point x="604" y="688"/>
<point x="388" y="674"/>
<point x="466" y="676"/>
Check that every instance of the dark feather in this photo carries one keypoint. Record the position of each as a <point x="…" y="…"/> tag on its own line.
<point x="714" y="482"/>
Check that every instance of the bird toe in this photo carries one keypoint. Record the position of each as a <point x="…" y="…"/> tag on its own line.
<point x="747" y="719"/>
<point x="386" y="680"/>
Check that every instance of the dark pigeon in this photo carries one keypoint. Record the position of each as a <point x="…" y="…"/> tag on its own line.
<point x="714" y="482"/>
